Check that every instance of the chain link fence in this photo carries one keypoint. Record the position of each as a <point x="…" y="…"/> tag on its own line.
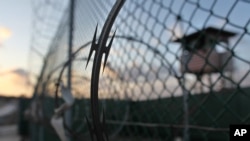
<point x="176" y="69"/>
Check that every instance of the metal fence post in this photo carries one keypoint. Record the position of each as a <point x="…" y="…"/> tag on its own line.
<point x="68" y="113"/>
<point x="185" y="111"/>
<point x="182" y="83"/>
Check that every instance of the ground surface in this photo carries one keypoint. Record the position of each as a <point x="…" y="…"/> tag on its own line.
<point x="8" y="119"/>
<point x="9" y="133"/>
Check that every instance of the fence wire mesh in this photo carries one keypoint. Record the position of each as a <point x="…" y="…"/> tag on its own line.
<point x="176" y="69"/>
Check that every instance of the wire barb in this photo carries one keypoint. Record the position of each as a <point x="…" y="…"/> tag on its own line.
<point x="94" y="46"/>
<point x="101" y="48"/>
<point x="106" y="50"/>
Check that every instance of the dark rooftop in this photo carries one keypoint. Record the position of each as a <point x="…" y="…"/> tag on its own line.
<point x="212" y="31"/>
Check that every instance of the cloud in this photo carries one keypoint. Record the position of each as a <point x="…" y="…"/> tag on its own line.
<point x="5" y="34"/>
<point x="15" y="83"/>
<point x="20" y="72"/>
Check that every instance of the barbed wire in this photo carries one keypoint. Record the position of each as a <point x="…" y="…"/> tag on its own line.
<point x="176" y="68"/>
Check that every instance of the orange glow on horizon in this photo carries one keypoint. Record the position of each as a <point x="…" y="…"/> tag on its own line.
<point x="14" y="85"/>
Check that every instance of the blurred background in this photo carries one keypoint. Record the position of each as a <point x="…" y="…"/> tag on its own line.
<point x="177" y="70"/>
<point x="15" y="37"/>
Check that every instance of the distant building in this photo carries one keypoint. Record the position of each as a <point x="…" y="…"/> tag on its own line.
<point x="200" y="56"/>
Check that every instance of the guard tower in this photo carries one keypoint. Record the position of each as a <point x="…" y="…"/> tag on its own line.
<point x="200" y="56"/>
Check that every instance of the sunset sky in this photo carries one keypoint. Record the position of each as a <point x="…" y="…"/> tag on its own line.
<point x="15" y="34"/>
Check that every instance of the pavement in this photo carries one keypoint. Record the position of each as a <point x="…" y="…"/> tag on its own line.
<point x="9" y="133"/>
<point x="8" y="119"/>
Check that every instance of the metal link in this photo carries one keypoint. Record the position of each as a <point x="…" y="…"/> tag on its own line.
<point x="176" y="69"/>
